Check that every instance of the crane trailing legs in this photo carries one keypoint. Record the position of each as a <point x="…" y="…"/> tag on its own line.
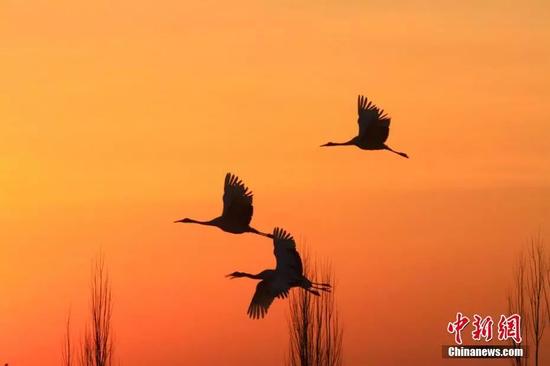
<point x="374" y="128"/>
<point x="276" y="283"/>
<point x="237" y="209"/>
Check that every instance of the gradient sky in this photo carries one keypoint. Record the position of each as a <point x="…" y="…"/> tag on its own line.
<point x="118" y="117"/>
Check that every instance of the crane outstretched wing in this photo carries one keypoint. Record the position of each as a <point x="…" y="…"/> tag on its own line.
<point x="266" y="292"/>
<point x="237" y="201"/>
<point x="288" y="259"/>
<point x="374" y="124"/>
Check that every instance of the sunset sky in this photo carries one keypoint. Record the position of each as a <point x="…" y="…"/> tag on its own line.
<point x="118" y="117"/>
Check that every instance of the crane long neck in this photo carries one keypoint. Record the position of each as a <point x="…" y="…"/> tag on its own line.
<point x="250" y="275"/>
<point x="350" y="142"/>
<point x="208" y="223"/>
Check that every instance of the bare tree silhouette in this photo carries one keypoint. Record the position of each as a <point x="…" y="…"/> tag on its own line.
<point x="97" y="343"/>
<point x="537" y="292"/>
<point x="529" y="296"/>
<point x="96" y="346"/>
<point x="67" y="355"/>
<point x="516" y="303"/>
<point x="315" y="330"/>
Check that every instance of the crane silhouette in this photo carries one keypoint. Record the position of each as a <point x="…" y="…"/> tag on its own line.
<point x="237" y="209"/>
<point x="374" y="128"/>
<point x="277" y="282"/>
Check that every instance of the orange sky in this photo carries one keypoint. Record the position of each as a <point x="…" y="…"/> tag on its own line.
<point x="118" y="117"/>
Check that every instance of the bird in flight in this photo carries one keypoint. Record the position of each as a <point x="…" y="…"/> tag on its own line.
<point x="237" y="209"/>
<point x="374" y="128"/>
<point x="277" y="282"/>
